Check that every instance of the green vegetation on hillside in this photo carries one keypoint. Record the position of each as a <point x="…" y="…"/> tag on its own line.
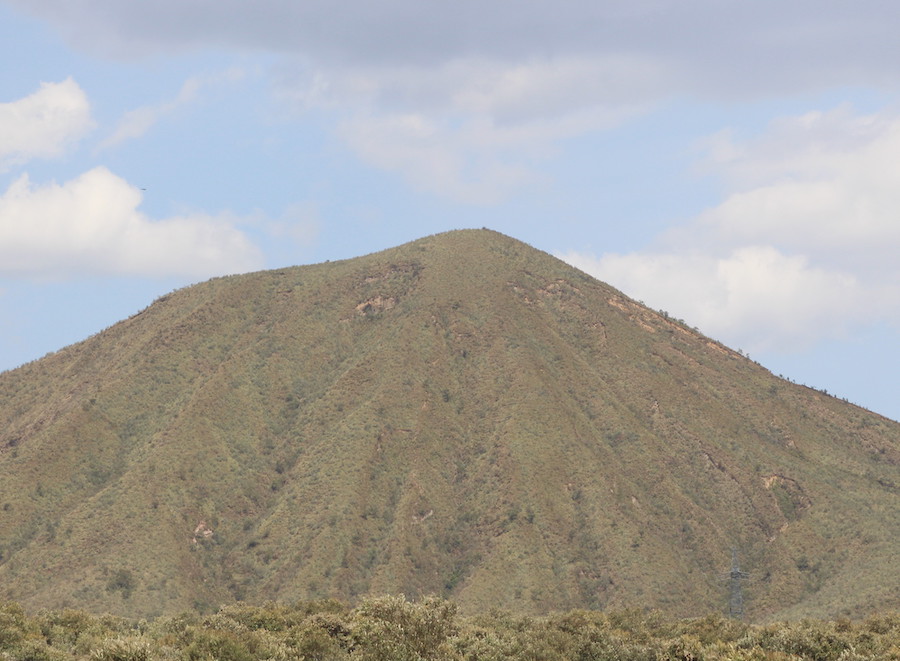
<point x="462" y="416"/>
<point x="393" y="629"/>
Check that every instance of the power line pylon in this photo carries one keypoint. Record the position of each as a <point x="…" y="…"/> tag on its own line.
<point x="735" y="576"/>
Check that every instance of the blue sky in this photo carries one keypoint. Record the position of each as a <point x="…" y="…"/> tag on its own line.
<point x="735" y="164"/>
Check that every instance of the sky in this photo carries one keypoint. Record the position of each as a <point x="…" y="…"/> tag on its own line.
<point x="736" y="164"/>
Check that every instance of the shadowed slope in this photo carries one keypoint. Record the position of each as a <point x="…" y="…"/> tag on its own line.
<point x="462" y="415"/>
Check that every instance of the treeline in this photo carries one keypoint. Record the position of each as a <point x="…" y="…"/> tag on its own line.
<point x="393" y="629"/>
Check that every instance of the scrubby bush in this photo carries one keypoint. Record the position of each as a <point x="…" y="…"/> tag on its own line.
<point x="315" y="642"/>
<point x="394" y="629"/>
<point x="12" y="624"/>
<point x="122" y="649"/>
<point x="216" y="645"/>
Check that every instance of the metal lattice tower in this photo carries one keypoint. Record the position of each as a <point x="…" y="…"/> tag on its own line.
<point x="736" y="605"/>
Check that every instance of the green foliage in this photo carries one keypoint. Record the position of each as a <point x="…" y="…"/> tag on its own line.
<point x="12" y="624"/>
<point x="321" y="638"/>
<point x="392" y="628"/>
<point x="123" y="649"/>
<point x="217" y="645"/>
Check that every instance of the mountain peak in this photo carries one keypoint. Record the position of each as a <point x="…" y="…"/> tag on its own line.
<point x="462" y="415"/>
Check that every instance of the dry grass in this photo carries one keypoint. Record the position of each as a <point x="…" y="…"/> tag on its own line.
<point x="463" y="416"/>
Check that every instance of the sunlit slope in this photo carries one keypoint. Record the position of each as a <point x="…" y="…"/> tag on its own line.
<point x="463" y="416"/>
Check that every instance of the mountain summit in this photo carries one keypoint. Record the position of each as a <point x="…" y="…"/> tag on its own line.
<point x="462" y="415"/>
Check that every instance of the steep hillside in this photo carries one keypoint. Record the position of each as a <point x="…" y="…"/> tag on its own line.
<point x="463" y="416"/>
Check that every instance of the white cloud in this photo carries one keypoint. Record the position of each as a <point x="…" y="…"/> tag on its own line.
<point x="471" y="130"/>
<point x="803" y="247"/>
<point x="754" y="297"/>
<point x="824" y="184"/>
<point x="44" y="124"/>
<point x="461" y="162"/>
<point x="91" y="224"/>
<point x="524" y="75"/>
<point x="135" y="123"/>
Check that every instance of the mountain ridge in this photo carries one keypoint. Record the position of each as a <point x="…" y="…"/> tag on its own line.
<point x="462" y="415"/>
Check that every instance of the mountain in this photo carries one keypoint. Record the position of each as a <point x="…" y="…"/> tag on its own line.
<point x="463" y="416"/>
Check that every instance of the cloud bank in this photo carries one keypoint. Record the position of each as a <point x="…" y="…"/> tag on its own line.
<point x="44" y="124"/>
<point x="493" y="83"/>
<point x="91" y="225"/>
<point x="470" y="130"/>
<point x="803" y="246"/>
<point x="710" y="47"/>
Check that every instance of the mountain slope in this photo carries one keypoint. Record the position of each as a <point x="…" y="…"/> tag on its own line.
<point x="462" y="415"/>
